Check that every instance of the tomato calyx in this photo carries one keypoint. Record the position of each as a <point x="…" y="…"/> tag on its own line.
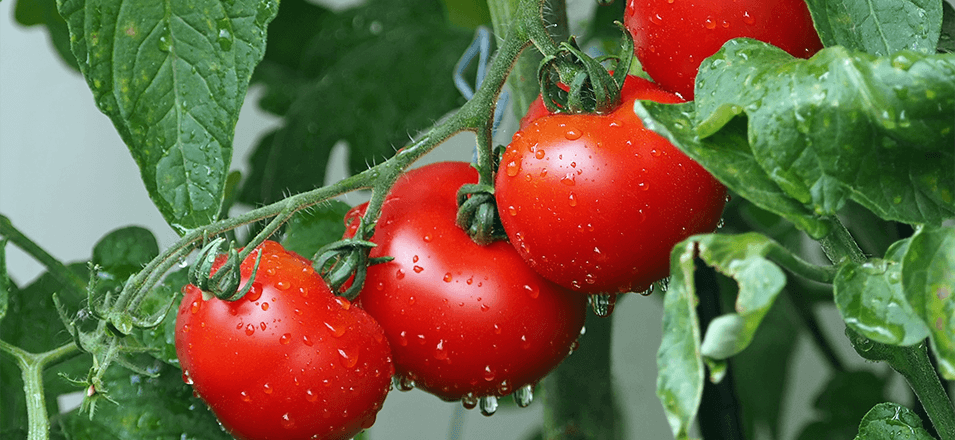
<point x="477" y="213"/>
<point x="224" y="284"/>
<point x="344" y="263"/>
<point x="574" y="82"/>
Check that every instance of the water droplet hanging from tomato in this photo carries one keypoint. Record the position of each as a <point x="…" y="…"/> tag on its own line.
<point x="603" y="303"/>
<point x="524" y="395"/>
<point x="488" y="405"/>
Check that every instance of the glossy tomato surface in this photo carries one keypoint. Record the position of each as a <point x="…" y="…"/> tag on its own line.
<point x="595" y="203"/>
<point x="288" y="360"/>
<point x="672" y="37"/>
<point x="464" y="320"/>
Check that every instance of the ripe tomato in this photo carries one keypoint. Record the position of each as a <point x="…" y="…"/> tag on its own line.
<point x="596" y="202"/>
<point x="464" y="321"/>
<point x="288" y="360"/>
<point x="672" y="37"/>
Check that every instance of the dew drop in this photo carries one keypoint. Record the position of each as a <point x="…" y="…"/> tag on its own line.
<point x="469" y="401"/>
<point x="403" y="338"/>
<point x="249" y="330"/>
<point x="603" y="303"/>
<point x="267" y="389"/>
<point x="573" y="134"/>
<point x="497" y="329"/>
<point x="348" y="360"/>
<point x="648" y="292"/>
<point x="287" y="422"/>
<point x="186" y="377"/>
<point x="414" y="259"/>
<point x="399" y="274"/>
<point x="307" y="341"/>
<point x="525" y="344"/>
<point x="404" y="383"/>
<point x="417" y="269"/>
<point x="539" y="153"/>
<point x="337" y="330"/>
<point x="512" y="168"/>
<point x="572" y="199"/>
<point x="485" y="307"/>
<point x="720" y="223"/>
<point x="748" y="19"/>
<point x="488" y="405"/>
<point x="532" y="291"/>
<point x="512" y="210"/>
<point x="709" y="23"/>
<point x="245" y="396"/>
<point x="525" y="394"/>
<point x="186" y="328"/>
<point x="488" y="373"/>
<point x="310" y="396"/>
<point x="440" y="353"/>
<point x="265" y="306"/>
<point x="569" y="179"/>
<point x="282" y="285"/>
<point x="447" y="277"/>
<point x="285" y="339"/>
<point x="427" y="238"/>
<point x="195" y="307"/>
<point x="254" y="293"/>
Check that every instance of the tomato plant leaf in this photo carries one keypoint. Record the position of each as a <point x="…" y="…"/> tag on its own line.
<point x="161" y="407"/>
<point x="726" y="155"/>
<point x="870" y="299"/>
<point x="888" y="420"/>
<point x="679" y="363"/>
<point x="842" y="402"/>
<point x="743" y="258"/>
<point x="126" y="250"/>
<point x="370" y="76"/>
<point x="946" y="41"/>
<point x="172" y="76"/>
<point x="307" y="231"/>
<point x="878" y="27"/>
<point x="841" y="126"/>
<point x="43" y="12"/>
<point x="928" y="280"/>
<point x="467" y="13"/>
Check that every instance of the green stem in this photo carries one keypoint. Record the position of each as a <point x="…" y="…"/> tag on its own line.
<point x="578" y="396"/>
<point x="31" y="369"/>
<point x="839" y="245"/>
<point x="798" y="266"/>
<point x="913" y="364"/>
<point x="62" y="273"/>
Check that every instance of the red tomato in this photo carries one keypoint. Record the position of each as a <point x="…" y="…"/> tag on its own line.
<point x="672" y="37"/>
<point x="288" y="360"/>
<point x="464" y="321"/>
<point x="596" y="202"/>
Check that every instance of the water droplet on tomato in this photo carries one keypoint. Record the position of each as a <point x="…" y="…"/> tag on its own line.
<point x="648" y="292"/>
<point x="262" y="325"/>
<point x="439" y="351"/>
<point x="186" y="328"/>
<point x="403" y="338"/>
<point x="603" y="303"/>
<point x="245" y="396"/>
<point x="306" y="341"/>
<point x="527" y="177"/>
<point x="195" y="307"/>
<point x="267" y="389"/>
<point x="532" y="291"/>
<point x="643" y="186"/>
<point x="497" y="329"/>
<point x="525" y="344"/>
<point x="343" y="302"/>
<point x="725" y="24"/>
<point x="427" y="238"/>
<point x="186" y="377"/>
<point x="287" y="422"/>
<point x="337" y="329"/>
<point x="249" y="330"/>
<point x="485" y="307"/>
<point x="265" y="306"/>
<point x="748" y="19"/>
<point x="512" y="210"/>
<point x="720" y="223"/>
<point x="525" y="394"/>
<point x="572" y="199"/>
<point x="488" y="373"/>
<point x="664" y="284"/>
<point x="311" y="396"/>
<point x="447" y="277"/>
<point x="539" y="153"/>
<point x="709" y="23"/>
<point x="414" y="259"/>
<point x="488" y="405"/>
<point x="399" y="274"/>
<point x="285" y="339"/>
<point x="417" y="269"/>
<point x="469" y="401"/>
<point x="282" y="285"/>
<point x="349" y="360"/>
<point x="255" y="292"/>
<point x="569" y="179"/>
<point x="404" y="383"/>
<point x="512" y="168"/>
<point x="656" y="19"/>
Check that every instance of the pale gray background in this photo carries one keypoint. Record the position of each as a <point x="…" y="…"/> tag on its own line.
<point x="66" y="179"/>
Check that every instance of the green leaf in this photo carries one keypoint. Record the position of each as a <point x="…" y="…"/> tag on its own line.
<point x="890" y="421"/>
<point x="840" y="126"/>
<point x="743" y="258"/>
<point x="842" y="402"/>
<point x="878" y="27"/>
<point x="870" y="299"/>
<point x="468" y="14"/>
<point x="928" y="280"/>
<point x="126" y="250"/>
<point x="307" y="231"/>
<point x="172" y="76"/>
<point x="43" y="12"/>
<point x="946" y="41"/>
<point x="161" y="408"/>
<point x="726" y="155"/>
<point x="370" y="76"/>
<point x="679" y="363"/>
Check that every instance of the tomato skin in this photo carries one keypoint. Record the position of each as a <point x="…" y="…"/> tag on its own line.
<point x="595" y="203"/>
<point x="672" y="37"/>
<point x="464" y="320"/>
<point x="288" y="360"/>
